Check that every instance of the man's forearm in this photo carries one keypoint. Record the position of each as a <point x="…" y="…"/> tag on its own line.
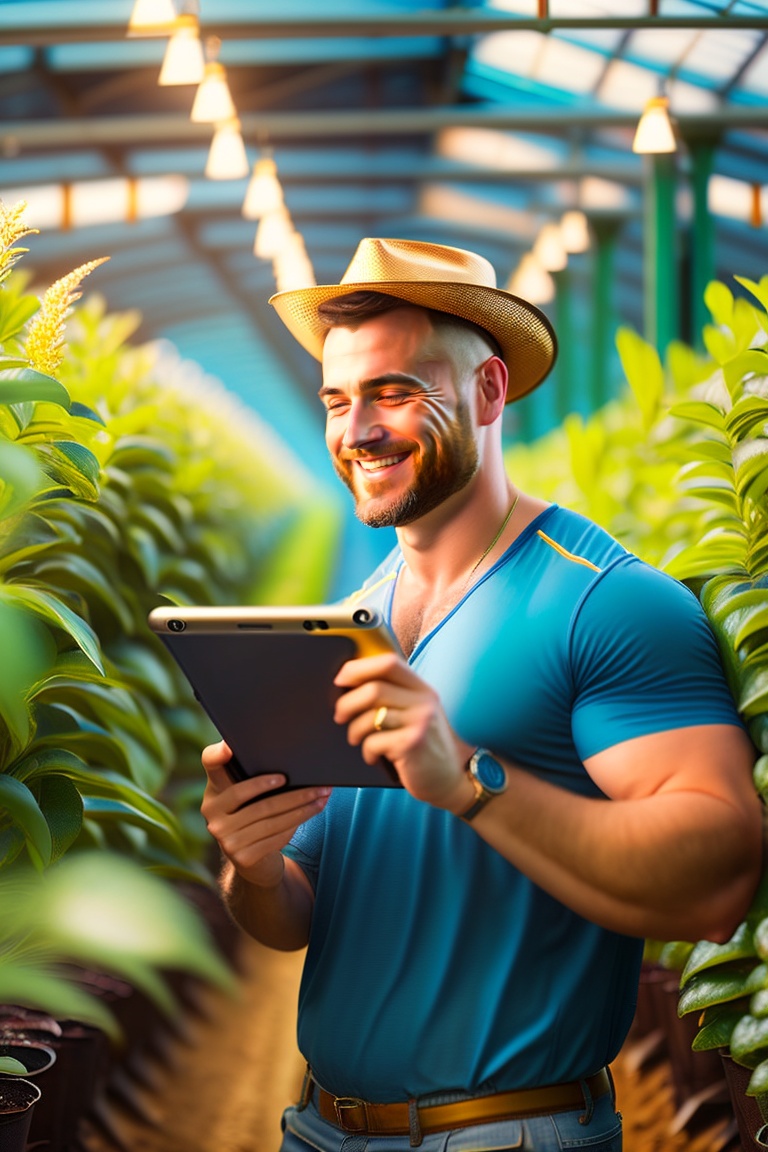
<point x="277" y="913"/>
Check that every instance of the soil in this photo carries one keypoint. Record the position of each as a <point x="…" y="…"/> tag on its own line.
<point x="15" y="1096"/>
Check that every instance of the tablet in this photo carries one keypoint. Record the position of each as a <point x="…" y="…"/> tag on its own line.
<point x="265" y="678"/>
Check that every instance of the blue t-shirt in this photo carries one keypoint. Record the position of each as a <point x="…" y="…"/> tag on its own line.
<point x="433" y="963"/>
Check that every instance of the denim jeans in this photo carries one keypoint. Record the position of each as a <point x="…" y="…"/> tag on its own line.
<point x="306" y="1131"/>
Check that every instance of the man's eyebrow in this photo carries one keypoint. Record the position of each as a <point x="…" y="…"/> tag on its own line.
<point x="374" y="383"/>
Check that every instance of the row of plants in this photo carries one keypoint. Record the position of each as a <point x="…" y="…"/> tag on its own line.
<point x="677" y="469"/>
<point x="127" y="479"/>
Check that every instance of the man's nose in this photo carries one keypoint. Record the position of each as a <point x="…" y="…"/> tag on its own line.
<point x="362" y="425"/>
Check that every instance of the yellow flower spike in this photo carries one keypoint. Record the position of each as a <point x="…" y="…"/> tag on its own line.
<point x="12" y="229"/>
<point x="45" y="337"/>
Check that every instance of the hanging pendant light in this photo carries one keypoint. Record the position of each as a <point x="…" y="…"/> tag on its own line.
<point x="574" y="231"/>
<point x="264" y="193"/>
<point x="151" y="16"/>
<point x="213" y="101"/>
<point x="549" y="249"/>
<point x="292" y="266"/>
<point x="183" y="62"/>
<point x="655" y="133"/>
<point x="531" y="282"/>
<point x="273" y="233"/>
<point x="227" y="159"/>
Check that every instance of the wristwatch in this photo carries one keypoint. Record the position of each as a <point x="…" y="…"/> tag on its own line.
<point x="488" y="779"/>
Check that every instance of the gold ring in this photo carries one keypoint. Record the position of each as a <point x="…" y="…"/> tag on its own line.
<point x="379" y="718"/>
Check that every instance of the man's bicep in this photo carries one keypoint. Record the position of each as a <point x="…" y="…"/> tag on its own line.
<point x="714" y="759"/>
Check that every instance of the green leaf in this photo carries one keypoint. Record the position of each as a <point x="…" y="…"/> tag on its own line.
<point x="753" y="361"/>
<point x="11" y="1067"/>
<point x="713" y="987"/>
<point x="759" y="291"/>
<point x="55" y="612"/>
<point x="14" y="314"/>
<point x="105" y="811"/>
<point x="20" y="805"/>
<point x="73" y="465"/>
<point x="94" y="783"/>
<point x="749" y="1041"/>
<point x="760" y="776"/>
<point x="719" y="300"/>
<point x="751" y="620"/>
<point x="643" y="369"/>
<point x="18" y="385"/>
<point x="21" y="478"/>
<point x="700" y="412"/>
<point x="706" y="955"/>
<point x="748" y="416"/>
<point x="62" y="806"/>
<point x="24" y="983"/>
<point x="718" y="1028"/>
<point x="70" y="571"/>
<point x="758" y="1081"/>
<point x="753" y="697"/>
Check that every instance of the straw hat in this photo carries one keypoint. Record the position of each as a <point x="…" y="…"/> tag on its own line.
<point x="433" y="276"/>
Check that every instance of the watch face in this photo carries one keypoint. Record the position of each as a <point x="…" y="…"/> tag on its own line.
<point x="490" y="773"/>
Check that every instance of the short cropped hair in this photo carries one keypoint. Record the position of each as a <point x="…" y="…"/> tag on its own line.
<point x="356" y="307"/>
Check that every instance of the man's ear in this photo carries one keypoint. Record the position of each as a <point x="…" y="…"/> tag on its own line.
<point x="491" y="389"/>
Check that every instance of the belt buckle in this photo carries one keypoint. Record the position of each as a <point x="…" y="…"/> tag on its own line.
<point x="343" y="1107"/>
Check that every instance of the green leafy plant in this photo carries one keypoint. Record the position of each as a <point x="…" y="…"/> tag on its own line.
<point x="677" y="469"/>
<point x="126" y="479"/>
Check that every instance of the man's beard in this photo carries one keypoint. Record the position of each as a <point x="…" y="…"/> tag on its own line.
<point x="445" y="469"/>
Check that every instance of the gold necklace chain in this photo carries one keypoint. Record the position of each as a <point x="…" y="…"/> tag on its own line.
<point x="496" y="538"/>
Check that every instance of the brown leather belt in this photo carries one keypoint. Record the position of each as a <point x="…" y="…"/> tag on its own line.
<point x="400" y="1119"/>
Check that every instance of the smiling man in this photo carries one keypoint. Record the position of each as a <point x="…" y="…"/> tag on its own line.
<point x="575" y="777"/>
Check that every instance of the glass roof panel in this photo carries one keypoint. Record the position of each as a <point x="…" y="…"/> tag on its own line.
<point x="547" y="60"/>
<point x="492" y="149"/>
<point x="755" y="77"/>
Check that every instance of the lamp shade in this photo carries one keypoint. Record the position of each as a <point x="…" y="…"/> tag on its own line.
<point x="273" y="233"/>
<point x="292" y="266"/>
<point x="531" y="282"/>
<point x="549" y="249"/>
<point x="227" y="159"/>
<point x="213" y="101"/>
<point x="654" y="132"/>
<point x="183" y="62"/>
<point x="264" y="193"/>
<point x="152" y="16"/>
<point x="574" y="231"/>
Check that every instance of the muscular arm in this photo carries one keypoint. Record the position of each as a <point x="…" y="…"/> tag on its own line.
<point x="674" y="854"/>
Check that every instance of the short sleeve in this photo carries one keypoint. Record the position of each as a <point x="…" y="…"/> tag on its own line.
<point x="306" y="845"/>
<point x="643" y="659"/>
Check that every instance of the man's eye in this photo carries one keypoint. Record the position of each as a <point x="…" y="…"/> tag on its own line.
<point x="394" y="397"/>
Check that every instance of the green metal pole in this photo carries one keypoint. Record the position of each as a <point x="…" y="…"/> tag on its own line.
<point x="565" y="379"/>
<point x="605" y="231"/>
<point x="662" y="305"/>
<point x="702" y="237"/>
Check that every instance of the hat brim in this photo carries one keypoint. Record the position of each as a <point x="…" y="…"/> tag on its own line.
<point x="524" y="334"/>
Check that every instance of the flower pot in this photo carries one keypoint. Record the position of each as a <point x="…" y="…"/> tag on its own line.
<point x="18" y="1098"/>
<point x="81" y="1057"/>
<point x="753" y="1129"/>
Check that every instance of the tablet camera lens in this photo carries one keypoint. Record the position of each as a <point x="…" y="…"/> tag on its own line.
<point x="361" y="616"/>
<point x="176" y="625"/>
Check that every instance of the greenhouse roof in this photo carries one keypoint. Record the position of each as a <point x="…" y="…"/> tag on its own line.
<point x="472" y="125"/>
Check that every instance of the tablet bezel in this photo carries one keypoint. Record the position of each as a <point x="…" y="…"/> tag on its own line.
<point x="289" y="655"/>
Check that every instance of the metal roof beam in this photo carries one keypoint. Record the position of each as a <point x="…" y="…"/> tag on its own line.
<point x="365" y="123"/>
<point x="440" y="22"/>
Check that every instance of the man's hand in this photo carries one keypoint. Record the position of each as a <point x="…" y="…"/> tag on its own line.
<point x="413" y="733"/>
<point x="251" y="831"/>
